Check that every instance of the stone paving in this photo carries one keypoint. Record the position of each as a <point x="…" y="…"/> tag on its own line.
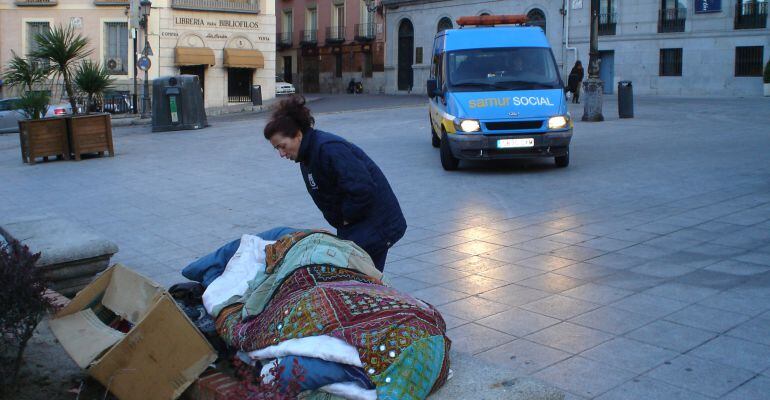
<point x="642" y="271"/>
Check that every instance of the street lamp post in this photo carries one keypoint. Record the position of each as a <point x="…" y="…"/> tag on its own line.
<point x="145" y="7"/>
<point x="593" y="87"/>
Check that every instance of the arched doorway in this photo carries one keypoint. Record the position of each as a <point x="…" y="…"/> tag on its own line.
<point x="536" y="17"/>
<point x="444" y="24"/>
<point x="405" y="55"/>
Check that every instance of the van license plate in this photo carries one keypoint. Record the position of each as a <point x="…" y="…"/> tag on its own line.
<point x="514" y="143"/>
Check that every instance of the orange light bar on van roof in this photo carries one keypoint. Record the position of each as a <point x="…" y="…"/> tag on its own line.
<point x="488" y="20"/>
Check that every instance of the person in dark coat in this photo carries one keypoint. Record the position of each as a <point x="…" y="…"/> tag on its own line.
<point x="574" y="80"/>
<point x="347" y="186"/>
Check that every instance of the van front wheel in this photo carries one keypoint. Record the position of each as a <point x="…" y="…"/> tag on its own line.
<point x="434" y="140"/>
<point x="448" y="161"/>
<point x="562" y="161"/>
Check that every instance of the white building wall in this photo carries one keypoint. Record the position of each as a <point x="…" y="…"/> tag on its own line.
<point x="426" y="15"/>
<point x="708" y="46"/>
<point x="708" y="42"/>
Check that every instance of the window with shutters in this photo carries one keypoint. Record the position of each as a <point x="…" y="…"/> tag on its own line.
<point x="748" y="60"/>
<point x="116" y="47"/>
<point x="34" y="29"/>
<point x="670" y="62"/>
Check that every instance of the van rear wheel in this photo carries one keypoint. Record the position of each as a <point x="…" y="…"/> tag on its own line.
<point x="448" y="161"/>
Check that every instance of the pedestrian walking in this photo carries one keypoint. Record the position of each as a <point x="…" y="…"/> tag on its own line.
<point x="574" y="81"/>
<point x="347" y="186"/>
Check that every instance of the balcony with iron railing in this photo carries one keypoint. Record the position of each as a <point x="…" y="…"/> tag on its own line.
<point x="284" y="40"/>
<point x="36" y="3"/>
<point x="365" y="32"/>
<point x="309" y="37"/>
<point x="233" y="6"/>
<point x="335" y="34"/>
<point x="112" y="2"/>
<point x="607" y="24"/>
<point x="751" y="15"/>
<point x="672" y="20"/>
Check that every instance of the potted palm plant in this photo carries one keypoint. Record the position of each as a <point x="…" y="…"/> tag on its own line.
<point x="91" y="133"/>
<point x="766" y="79"/>
<point x="38" y="136"/>
<point x="65" y="49"/>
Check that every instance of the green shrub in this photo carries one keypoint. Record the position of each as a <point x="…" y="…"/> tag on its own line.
<point x="92" y="79"/>
<point x="24" y="304"/>
<point x="34" y="104"/>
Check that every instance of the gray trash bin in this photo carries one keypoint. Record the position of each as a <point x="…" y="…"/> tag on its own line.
<point x="625" y="99"/>
<point x="177" y="104"/>
<point x="256" y="95"/>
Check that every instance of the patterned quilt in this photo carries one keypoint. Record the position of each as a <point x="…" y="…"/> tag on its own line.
<point x="400" y="340"/>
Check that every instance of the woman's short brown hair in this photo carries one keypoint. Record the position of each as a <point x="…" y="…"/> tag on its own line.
<point x="291" y="116"/>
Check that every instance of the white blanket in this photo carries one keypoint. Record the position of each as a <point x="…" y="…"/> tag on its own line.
<point x="242" y="267"/>
<point x="324" y="347"/>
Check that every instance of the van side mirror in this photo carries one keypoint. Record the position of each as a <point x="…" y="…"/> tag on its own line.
<point x="432" y="87"/>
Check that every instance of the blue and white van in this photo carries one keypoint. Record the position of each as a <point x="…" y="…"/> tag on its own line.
<point x="496" y="93"/>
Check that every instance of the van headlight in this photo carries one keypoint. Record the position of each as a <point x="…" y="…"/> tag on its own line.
<point x="467" y="125"/>
<point x="558" y="122"/>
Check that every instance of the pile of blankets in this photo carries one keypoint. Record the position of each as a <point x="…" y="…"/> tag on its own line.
<point x="311" y="299"/>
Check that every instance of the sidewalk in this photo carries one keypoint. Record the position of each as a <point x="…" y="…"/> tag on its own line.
<point x="641" y="271"/>
<point x="120" y="120"/>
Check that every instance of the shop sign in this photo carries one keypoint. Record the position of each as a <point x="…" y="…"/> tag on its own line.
<point x="200" y="22"/>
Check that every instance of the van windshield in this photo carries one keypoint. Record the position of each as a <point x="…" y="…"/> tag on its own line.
<point x="520" y="68"/>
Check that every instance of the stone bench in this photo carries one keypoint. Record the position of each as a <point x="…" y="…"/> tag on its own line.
<point x="70" y="254"/>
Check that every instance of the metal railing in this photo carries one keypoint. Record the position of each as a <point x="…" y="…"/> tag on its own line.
<point x="111" y="2"/>
<point x="22" y="3"/>
<point x="607" y="23"/>
<point x="309" y="37"/>
<point x="235" y="6"/>
<point x="748" y="61"/>
<point x="670" y="62"/>
<point x="284" y="39"/>
<point x="365" y="32"/>
<point x="672" y="20"/>
<point x="750" y="15"/>
<point x="335" y="34"/>
<point x="238" y="98"/>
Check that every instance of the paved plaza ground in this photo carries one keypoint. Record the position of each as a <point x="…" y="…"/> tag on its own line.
<point x="641" y="271"/>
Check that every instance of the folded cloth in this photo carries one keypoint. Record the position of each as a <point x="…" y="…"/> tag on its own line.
<point x="317" y="373"/>
<point x="242" y="267"/>
<point x="211" y="266"/>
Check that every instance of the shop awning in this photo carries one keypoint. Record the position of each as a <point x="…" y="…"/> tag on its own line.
<point x="244" y="58"/>
<point x="194" y="56"/>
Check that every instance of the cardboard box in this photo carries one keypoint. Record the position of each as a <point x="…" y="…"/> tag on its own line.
<point x="162" y="352"/>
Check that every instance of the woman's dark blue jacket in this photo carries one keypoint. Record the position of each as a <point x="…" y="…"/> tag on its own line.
<point x="351" y="191"/>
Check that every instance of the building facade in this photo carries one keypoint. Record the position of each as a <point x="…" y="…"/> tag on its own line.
<point x="412" y="25"/>
<point x="324" y="44"/>
<point x="104" y="23"/>
<point x="230" y="44"/>
<point x="678" y="47"/>
<point x="664" y="47"/>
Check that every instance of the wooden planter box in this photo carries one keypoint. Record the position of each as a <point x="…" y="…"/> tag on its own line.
<point x="90" y="134"/>
<point x="43" y="138"/>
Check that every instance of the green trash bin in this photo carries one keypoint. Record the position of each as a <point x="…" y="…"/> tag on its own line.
<point x="177" y="104"/>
